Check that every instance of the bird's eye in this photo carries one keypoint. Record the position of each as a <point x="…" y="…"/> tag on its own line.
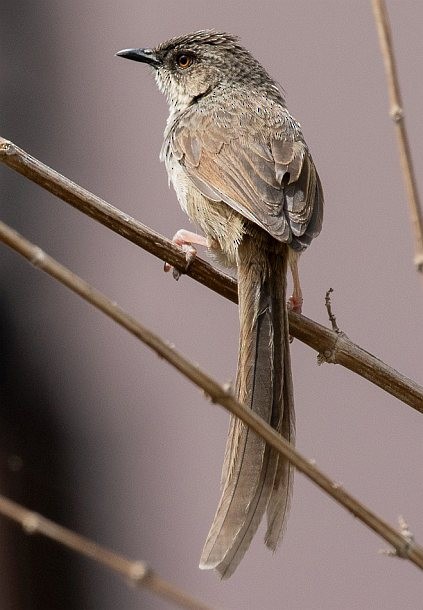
<point x="184" y="61"/>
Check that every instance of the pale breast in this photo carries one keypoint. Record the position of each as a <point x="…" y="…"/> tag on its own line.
<point x="221" y="224"/>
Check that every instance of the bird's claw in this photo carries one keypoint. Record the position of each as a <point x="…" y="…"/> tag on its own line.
<point x="295" y="304"/>
<point x="190" y="254"/>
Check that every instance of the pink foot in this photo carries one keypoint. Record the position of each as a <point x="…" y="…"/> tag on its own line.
<point x="295" y="304"/>
<point x="185" y="239"/>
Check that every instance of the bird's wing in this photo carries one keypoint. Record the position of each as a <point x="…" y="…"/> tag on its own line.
<point x="262" y="171"/>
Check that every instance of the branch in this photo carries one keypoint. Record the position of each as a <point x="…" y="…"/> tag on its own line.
<point x="137" y="572"/>
<point x="331" y="315"/>
<point x="331" y="347"/>
<point x="403" y="546"/>
<point x="397" y="115"/>
<point x="114" y="219"/>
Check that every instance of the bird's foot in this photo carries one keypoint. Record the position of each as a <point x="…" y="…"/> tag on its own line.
<point x="184" y="239"/>
<point x="295" y="303"/>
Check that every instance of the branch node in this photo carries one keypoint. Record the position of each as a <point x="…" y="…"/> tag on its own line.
<point x="31" y="523"/>
<point x="228" y="386"/>
<point x="404" y="529"/>
<point x="327" y="356"/>
<point x="6" y="147"/>
<point x="224" y="392"/>
<point x="397" y="114"/>
<point x="330" y="356"/>
<point x="139" y="571"/>
<point x="401" y="551"/>
<point x="38" y="257"/>
<point x="209" y="397"/>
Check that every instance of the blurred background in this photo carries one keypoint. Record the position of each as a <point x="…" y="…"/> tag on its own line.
<point x="102" y="436"/>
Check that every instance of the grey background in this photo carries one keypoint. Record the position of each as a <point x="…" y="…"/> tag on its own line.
<point x="143" y="448"/>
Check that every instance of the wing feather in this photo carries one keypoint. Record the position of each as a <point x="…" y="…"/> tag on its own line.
<point x="269" y="178"/>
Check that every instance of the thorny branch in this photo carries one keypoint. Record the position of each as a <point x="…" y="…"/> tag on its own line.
<point x="397" y="115"/>
<point x="137" y="573"/>
<point x="331" y="347"/>
<point x="403" y="546"/>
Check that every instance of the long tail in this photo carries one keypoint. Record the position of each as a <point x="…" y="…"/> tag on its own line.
<point x="254" y="477"/>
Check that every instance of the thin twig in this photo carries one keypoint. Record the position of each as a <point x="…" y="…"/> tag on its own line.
<point x="331" y="315"/>
<point x="331" y="347"/>
<point x="397" y="115"/>
<point x="217" y="393"/>
<point x="137" y="573"/>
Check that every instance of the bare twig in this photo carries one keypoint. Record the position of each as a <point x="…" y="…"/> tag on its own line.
<point x="138" y="573"/>
<point x="217" y="393"/>
<point x="397" y="115"/>
<point x="331" y="315"/>
<point x="331" y="347"/>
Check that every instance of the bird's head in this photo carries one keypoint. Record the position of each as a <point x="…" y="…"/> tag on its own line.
<point x="191" y="66"/>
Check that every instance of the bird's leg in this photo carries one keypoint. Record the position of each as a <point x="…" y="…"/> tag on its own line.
<point x="295" y="302"/>
<point x="185" y="239"/>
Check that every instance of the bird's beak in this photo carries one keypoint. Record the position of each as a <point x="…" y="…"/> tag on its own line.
<point x="147" y="56"/>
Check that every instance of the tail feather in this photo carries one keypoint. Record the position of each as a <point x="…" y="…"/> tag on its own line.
<point x="254" y="477"/>
<point x="280" y="499"/>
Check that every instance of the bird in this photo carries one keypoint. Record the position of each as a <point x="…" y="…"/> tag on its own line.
<point x="243" y="173"/>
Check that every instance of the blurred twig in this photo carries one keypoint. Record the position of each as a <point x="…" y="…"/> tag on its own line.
<point x="331" y="347"/>
<point x="397" y="115"/>
<point x="137" y="573"/>
<point x="403" y="546"/>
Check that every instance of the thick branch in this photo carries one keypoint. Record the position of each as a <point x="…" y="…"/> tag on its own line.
<point x="137" y="572"/>
<point x="402" y="545"/>
<point x="332" y="347"/>
<point x="397" y="115"/>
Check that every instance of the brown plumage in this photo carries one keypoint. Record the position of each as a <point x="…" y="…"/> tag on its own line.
<point x="254" y="478"/>
<point x="242" y="171"/>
